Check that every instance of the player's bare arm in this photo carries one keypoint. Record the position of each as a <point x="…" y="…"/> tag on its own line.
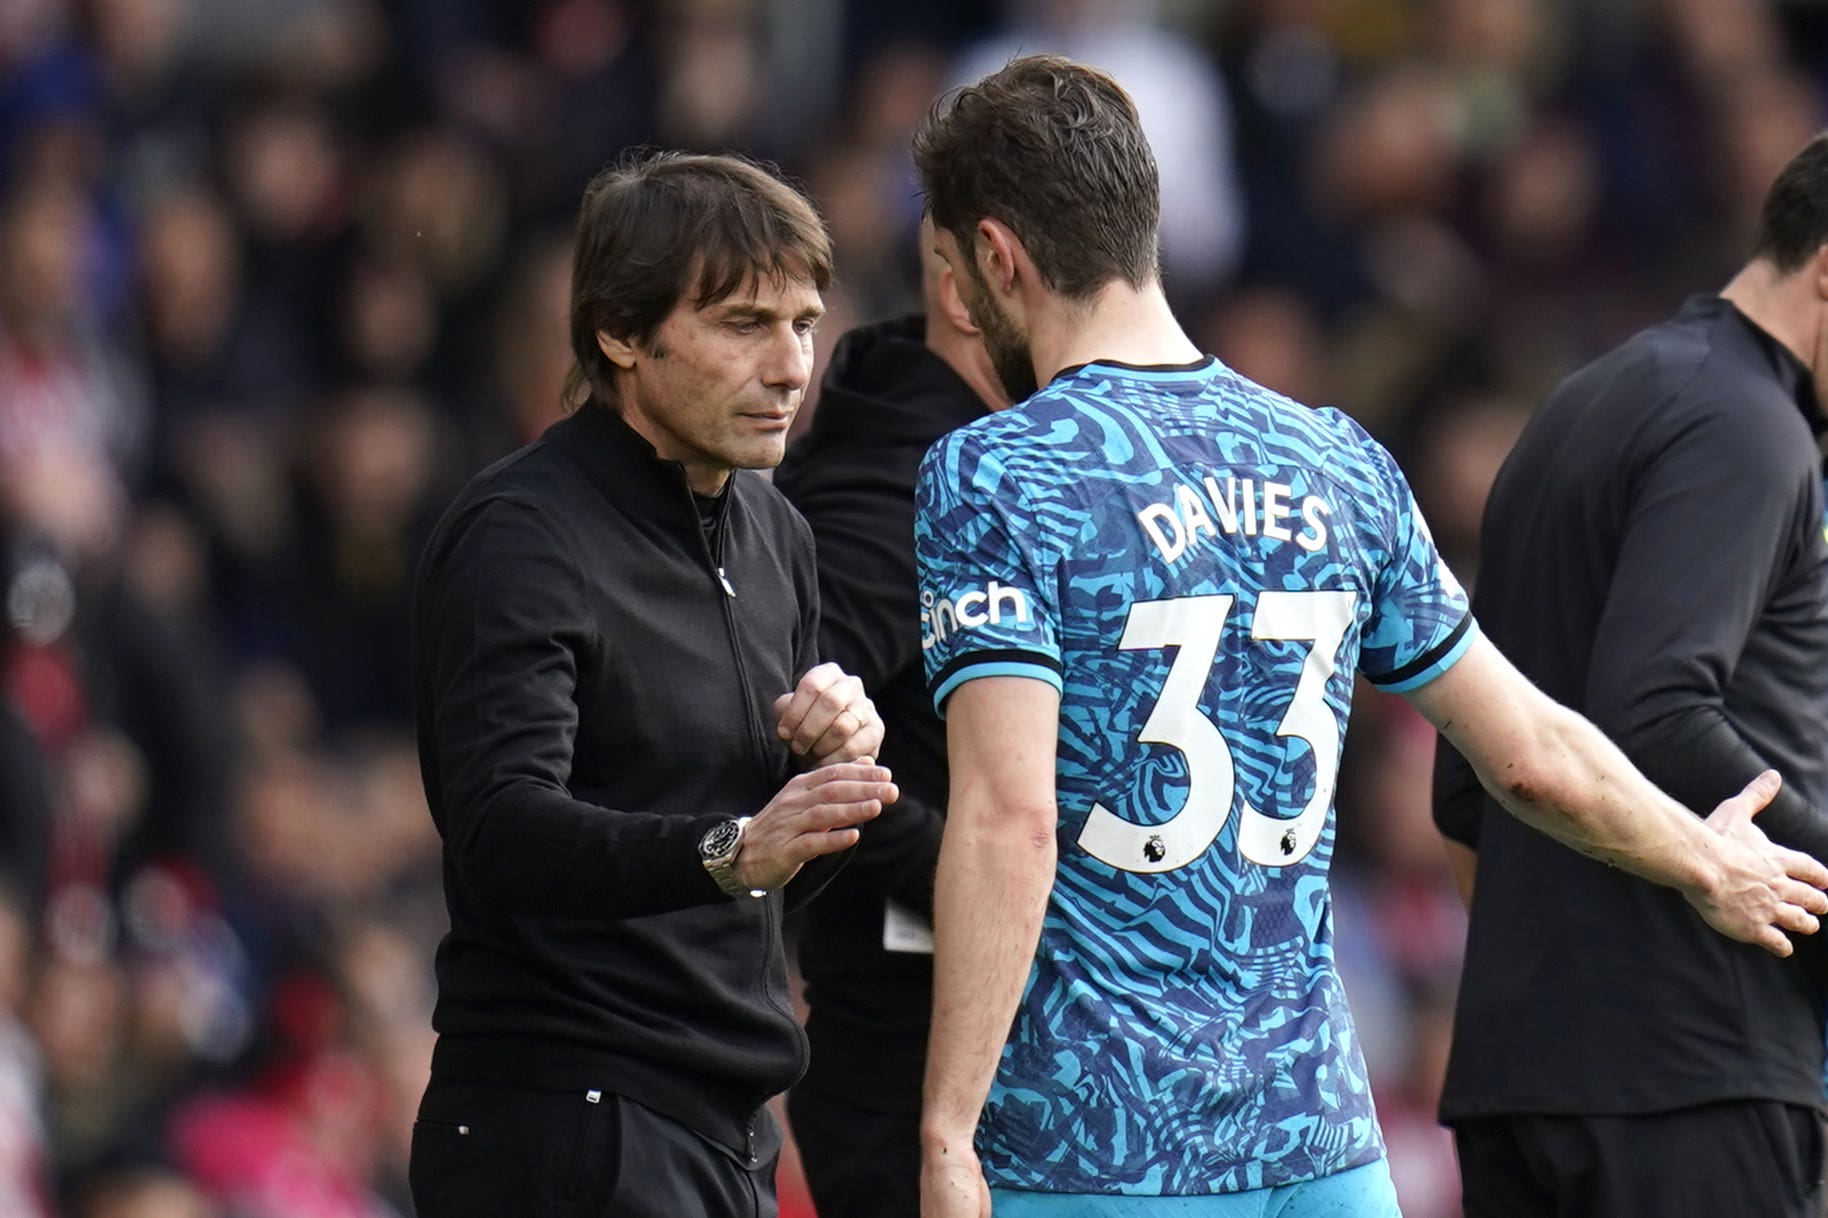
<point x="996" y="868"/>
<point x="1552" y="769"/>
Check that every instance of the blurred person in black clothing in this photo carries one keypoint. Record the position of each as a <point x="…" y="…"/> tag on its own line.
<point x="25" y="770"/>
<point x="1653" y="555"/>
<point x="615" y="678"/>
<point x="865" y="951"/>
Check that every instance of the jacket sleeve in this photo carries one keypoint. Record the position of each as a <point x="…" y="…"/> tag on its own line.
<point x="504" y="622"/>
<point x="1718" y="511"/>
<point x="869" y="624"/>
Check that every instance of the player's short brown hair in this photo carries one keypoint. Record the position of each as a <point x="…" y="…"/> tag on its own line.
<point x="1053" y="149"/>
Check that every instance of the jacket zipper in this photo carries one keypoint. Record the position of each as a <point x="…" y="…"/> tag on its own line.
<point x="758" y="735"/>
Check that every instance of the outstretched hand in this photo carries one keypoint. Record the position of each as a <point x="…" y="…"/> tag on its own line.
<point x="1756" y="890"/>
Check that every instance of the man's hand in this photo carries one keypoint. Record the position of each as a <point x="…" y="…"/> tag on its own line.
<point x="952" y="1182"/>
<point x="815" y="813"/>
<point x="1755" y="890"/>
<point x="827" y="718"/>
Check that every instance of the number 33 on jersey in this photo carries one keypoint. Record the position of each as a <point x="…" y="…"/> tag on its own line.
<point x="1202" y="606"/>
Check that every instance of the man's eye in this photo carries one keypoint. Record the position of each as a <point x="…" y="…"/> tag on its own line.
<point x="805" y="326"/>
<point x="745" y="325"/>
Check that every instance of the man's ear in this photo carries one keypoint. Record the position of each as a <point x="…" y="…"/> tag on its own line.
<point x="1819" y="265"/>
<point x="619" y="351"/>
<point x="999" y="255"/>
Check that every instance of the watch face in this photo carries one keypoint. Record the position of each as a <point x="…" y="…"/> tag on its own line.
<point x="720" y="840"/>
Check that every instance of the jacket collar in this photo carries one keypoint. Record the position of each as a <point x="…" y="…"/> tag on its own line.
<point x="1789" y="371"/>
<point x="622" y="464"/>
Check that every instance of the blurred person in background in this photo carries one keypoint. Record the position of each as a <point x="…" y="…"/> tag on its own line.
<point x="119" y="701"/>
<point x="1653" y="555"/>
<point x="615" y="678"/>
<point x="866" y="947"/>
<point x="130" y="1189"/>
<point x="1184" y="108"/>
<point x="531" y="357"/>
<point x="365" y="504"/>
<point x="67" y="390"/>
<point x="26" y="1155"/>
<point x="34" y="594"/>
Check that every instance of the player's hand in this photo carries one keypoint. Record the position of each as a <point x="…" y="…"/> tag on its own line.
<point x="815" y="813"/>
<point x="828" y="718"/>
<point x="1756" y="889"/>
<point x="952" y="1183"/>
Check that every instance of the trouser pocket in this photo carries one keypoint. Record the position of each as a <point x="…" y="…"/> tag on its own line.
<point x="593" y="1163"/>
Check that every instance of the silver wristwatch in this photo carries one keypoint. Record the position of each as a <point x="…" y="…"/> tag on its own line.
<point x="718" y="849"/>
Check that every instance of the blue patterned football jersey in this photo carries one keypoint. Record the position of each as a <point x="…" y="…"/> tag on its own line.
<point x="1200" y="566"/>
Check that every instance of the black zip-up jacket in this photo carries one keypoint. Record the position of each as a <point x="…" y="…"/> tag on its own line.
<point x="1652" y="556"/>
<point x="592" y="695"/>
<point x="884" y="400"/>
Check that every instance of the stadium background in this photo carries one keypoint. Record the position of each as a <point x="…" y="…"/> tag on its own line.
<point x="276" y="275"/>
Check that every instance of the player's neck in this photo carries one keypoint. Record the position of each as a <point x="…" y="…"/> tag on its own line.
<point x="1121" y="323"/>
<point x="1784" y="306"/>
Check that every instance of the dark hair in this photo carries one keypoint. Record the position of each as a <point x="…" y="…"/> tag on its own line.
<point x="1054" y="150"/>
<point x="1794" y="221"/>
<point x="658" y="225"/>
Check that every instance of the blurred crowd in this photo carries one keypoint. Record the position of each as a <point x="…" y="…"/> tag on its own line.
<point x="277" y="275"/>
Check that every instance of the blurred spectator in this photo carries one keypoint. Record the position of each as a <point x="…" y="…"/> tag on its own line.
<point x="140" y="1190"/>
<point x="1185" y="113"/>
<point x="711" y="71"/>
<point x="67" y="393"/>
<point x="370" y="462"/>
<point x="531" y="353"/>
<point x="25" y="1149"/>
<point x="1272" y="336"/>
<point x="38" y="599"/>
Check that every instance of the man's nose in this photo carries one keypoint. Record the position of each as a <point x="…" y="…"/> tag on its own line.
<point x="789" y="362"/>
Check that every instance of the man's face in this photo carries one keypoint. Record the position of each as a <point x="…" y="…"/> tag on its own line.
<point x="716" y="388"/>
<point x="1008" y="347"/>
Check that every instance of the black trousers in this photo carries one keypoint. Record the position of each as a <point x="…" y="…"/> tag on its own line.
<point x="501" y="1152"/>
<point x="1760" y="1159"/>
<point x="859" y="1164"/>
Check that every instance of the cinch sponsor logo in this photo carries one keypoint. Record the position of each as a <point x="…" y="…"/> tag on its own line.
<point x="941" y="617"/>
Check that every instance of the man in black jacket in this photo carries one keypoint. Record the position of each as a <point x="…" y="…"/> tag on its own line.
<point x="1653" y="556"/>
<point x="604" y="622"/>
<point x="891" y="390"/>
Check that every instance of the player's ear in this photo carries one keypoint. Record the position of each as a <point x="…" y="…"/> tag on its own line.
<point x="618" y="351"/>
<point x="1819" y="265"/>
<point x="995" y="247"/>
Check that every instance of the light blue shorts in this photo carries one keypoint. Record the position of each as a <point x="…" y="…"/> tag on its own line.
<point x="1363" y="1192"/>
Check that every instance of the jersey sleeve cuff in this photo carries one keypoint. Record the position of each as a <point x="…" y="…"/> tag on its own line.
<point x="1008" y="662"/>
<point x="1431" y="663"/>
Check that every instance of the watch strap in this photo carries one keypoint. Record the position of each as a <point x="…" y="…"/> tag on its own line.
<point x="723" y="867"/>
